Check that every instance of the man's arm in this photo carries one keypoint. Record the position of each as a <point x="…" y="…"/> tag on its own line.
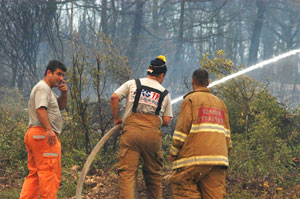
<point x="166" y="120"/>
<point x="227" y="129"/>
<point x="62" y="99"/>
<point x="114" y="102"/>
<point x="182" y="129"/>
<point x="43" y="118"/>
<point x="168" y="111"/>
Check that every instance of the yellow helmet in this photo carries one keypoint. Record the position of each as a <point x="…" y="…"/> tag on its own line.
<point x="162" y="58"/>
<point x="158" y="65"/>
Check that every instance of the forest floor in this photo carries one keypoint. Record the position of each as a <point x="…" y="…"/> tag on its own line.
<point x="98" y="184"/>
<point x="106" y="185"/>
<point x="103" y="183"/>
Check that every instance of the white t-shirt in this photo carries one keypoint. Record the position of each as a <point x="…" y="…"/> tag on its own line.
<point x="148" y="100"/>
<point x="43" y="96"/>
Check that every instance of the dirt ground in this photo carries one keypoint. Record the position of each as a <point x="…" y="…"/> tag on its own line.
<point x="98" y="184"/>
<point x="105" y="185"/>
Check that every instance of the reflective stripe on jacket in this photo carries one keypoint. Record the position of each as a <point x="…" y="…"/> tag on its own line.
<point x="202" y="133"/>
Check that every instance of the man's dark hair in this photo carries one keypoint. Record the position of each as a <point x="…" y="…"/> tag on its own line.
<point x="157" y="67"/>
<point x="53" y="65"/>
<point x="155" y="74"/>
<point x="200" y="77"/>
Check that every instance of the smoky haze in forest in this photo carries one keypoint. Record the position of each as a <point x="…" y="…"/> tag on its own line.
<point x="104" y="43"/>
<point x="249" y="69"/>
<point x="34" y="32"/>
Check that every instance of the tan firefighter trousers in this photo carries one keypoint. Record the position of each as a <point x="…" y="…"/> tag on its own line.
<point x="141" y="137"/>
<point x="199" y="181"/>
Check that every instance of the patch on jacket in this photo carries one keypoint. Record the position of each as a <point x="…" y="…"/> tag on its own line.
<point x="211" y="115"/>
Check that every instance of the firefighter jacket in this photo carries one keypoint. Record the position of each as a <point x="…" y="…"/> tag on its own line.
<point x="202" y="133"/>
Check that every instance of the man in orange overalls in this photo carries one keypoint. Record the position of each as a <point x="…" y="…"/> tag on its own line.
<point x="41" y="139"/>
<point x="148" y="106"/>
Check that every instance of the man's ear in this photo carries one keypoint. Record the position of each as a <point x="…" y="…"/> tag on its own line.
<point x="48" y="72"/>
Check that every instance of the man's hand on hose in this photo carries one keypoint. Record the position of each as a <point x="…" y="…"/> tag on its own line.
<point x="51" y="137"/>
<point x="114" y="102"/>
<point x="118" y="121"/>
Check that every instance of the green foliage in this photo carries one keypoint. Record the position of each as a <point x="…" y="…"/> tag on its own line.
<point x="73" y="157"/>
<point x="12" y="130"/>
<point x="93" y="74"/>
<point x="68" y="184"/>
<point x="10" y="193"/>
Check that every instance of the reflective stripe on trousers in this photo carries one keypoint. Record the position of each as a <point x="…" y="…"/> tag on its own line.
<point x="44" y="165"/>
<point x="199" y="181"/>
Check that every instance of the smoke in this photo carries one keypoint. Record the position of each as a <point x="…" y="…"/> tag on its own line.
<point x="246" y="70"/>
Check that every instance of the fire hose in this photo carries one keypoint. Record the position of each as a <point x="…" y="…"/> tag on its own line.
<point x="91" y="157"/>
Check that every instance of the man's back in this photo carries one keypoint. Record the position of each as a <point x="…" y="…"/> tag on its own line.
<point x="204" y="128"/>
<point x="148" y="100"/>
<point x="200" y="144"/>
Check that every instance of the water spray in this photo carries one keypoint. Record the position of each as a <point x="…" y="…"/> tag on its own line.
<point x="246" y="70"/>
<point x="115" y="129"/>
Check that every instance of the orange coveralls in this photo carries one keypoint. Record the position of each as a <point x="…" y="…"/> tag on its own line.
<point x="44" y="164"/>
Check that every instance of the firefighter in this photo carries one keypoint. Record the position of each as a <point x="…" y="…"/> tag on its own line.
<point x="41" y="139"/>
<point x="148" y="106"/>
<point x="200" y="144"/>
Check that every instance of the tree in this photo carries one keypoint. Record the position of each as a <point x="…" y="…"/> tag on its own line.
<point x="96" y="68"/>
<point x="23" y="27"/>
<point x="136" y="31"/>
<point x="257" y="29"/>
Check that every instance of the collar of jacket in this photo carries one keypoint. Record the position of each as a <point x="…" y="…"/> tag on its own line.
<point x="199" y="89"/>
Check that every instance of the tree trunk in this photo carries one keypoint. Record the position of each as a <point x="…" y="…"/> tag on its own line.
<point x="178" y="61"/>
<point x="258" y="24"/>
<point x="136" y="31"/>
<point x="103" y="23"/>
<point x="114" y="20"/>
<point x="178" y="55"/>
